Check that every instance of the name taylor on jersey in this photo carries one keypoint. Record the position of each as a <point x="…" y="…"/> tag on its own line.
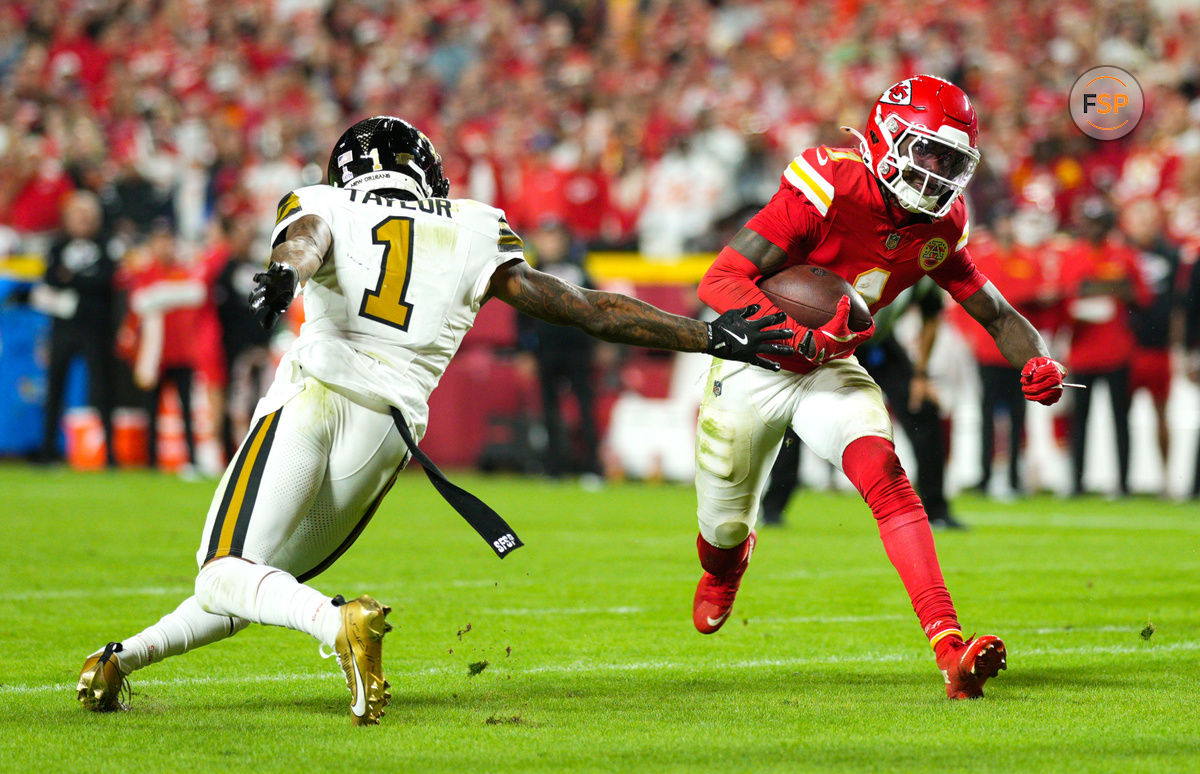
<point x="289" y="205"/>
<point x="397" y="292"/>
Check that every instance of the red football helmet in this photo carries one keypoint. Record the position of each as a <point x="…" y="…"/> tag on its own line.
<point x="921" y="143"/>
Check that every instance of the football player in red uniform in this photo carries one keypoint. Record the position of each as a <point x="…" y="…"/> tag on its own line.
<point x="881" y="217"/>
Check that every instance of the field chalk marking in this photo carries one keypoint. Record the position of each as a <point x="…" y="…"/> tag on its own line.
<point x="582" y="668"/>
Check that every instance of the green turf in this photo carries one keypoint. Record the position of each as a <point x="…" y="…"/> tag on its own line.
<point x="593" y="664"/>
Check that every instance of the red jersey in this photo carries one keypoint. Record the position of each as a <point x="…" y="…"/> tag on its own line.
<point x="1101" y="334"/>
<point x="39" y="202"/>
<point x="181" y="316"/>
<point x="830" y="212"/>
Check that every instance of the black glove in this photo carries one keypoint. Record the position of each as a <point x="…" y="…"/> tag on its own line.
<point x="275" y="289"/>
<point x="734" y="336"/>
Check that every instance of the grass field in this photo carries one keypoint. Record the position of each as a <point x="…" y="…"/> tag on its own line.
<point x="592" y="662"/>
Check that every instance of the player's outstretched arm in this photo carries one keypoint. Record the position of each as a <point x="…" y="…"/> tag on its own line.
<point x="1019" y="342"/>
<point x="1015" y="337"/>
<point x="294" y="260"/>
<point x="624" y="320"/>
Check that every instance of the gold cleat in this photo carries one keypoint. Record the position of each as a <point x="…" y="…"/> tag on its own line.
<point x="359" y="648"/>
<point x="101" y="682"/>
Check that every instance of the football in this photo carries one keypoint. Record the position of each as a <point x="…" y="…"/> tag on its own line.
<point x="809" y="295"/>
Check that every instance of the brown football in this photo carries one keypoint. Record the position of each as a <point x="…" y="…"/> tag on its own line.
<point x="810" y="295"/>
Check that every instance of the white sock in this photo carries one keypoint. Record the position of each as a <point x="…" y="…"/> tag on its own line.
<point x="267" y="595"/>
<point x="185" y="628"/>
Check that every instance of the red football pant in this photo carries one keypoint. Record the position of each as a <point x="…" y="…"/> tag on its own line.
<point x="872" y="466"/>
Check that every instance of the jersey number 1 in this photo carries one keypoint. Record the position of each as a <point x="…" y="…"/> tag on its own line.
<point x="386" y="302"/>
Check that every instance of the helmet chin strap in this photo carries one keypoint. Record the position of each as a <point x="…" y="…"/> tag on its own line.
<point x="910" y="199"/>
<point x="863" y="148"/>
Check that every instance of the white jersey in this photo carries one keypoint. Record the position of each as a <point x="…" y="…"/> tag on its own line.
<point x="400" y="288"/>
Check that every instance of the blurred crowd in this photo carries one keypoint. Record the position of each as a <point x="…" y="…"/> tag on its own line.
<point x="649" y="123"/>
<point x="170" y="128"/>
<point x="1118" y="304"/>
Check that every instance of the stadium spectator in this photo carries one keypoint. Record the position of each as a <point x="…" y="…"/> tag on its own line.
<point x="1192" y="305"/>
<point x="685" y="192"/>
<point x="154" y="104"/>
<point x="1101" y="279"/>
<point x="79" y="274"/>
<point x="564" y="358"/>
<point x="165" y="298"/>
<point x="33" y="189"/>
<point x="1017" y="270"/>
<point x="1156" y="326"/>
<point x="245" y="344"/>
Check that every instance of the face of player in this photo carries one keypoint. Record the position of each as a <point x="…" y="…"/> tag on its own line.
<point x="936" y="170"/>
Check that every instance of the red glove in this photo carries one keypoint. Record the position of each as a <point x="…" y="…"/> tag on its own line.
<point x="834" y="339"/>
<point x="1042" y="380"/>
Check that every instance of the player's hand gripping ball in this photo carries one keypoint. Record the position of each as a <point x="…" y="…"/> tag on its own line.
<point x="834" y="317"/>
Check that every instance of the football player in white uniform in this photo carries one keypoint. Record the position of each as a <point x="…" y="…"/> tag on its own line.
<point x="393" y="276"/>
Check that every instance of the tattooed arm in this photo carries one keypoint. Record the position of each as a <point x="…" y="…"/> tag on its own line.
<point x="625" y="320"/>
<point x="294" y="260"/>
<point x="307" y="243"/>
<point x="607" y="316"/>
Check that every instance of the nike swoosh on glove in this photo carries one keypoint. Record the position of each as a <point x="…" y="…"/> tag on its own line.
<point x="834" y="339"/>
<point x="734" y="336"/>
<point x="1042" y="380"/>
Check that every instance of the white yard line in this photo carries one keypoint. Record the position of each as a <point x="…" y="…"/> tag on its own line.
<point x="1142" y="650"/>
<point x="535" y="611"/>
<point x="1130" y="523"/>
<point x="106" y="592"/>
<point x="1066" y="629"/>
<point x="825" y="619"/>
<point x="97" y="592"/>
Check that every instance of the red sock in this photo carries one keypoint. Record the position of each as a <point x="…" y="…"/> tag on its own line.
<point x="872" y="466"/>
<point x="719" y="561"/>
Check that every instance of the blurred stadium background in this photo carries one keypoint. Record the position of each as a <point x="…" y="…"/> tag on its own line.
<point x="646" y="131"/>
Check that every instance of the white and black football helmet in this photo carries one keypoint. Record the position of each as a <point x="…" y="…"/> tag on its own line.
<point x="385" y="153"/>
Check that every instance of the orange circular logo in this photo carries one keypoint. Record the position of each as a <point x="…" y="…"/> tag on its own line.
<point x="1106" y="103"/>
<point x="933" y="253"/>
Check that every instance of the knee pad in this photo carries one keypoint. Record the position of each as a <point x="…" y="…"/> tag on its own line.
<point x="731" y="533"/>
<point x="229" y="586"/>
<point x="724" y="443"/>
<point x="208" y="581"/>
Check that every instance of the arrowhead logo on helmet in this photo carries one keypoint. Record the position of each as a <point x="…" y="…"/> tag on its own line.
<point x="900" y="94"/>
<point x="921" y="143"/>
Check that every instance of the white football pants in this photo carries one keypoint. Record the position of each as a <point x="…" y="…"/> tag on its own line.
<point x="305" y="482"/>
<point x="743" y="415"/>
